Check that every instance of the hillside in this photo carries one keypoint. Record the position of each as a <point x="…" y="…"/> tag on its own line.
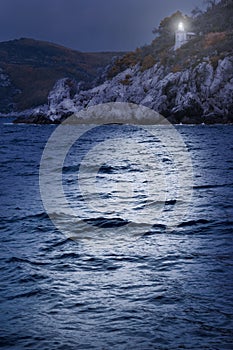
<point x="192" y="84"/>
<point x="29" y="69"/>
<point x="214" y="39"/>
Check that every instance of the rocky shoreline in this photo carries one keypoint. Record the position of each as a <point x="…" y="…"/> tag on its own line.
<point x="195" y="95"/>
<point x="195" y="120"/>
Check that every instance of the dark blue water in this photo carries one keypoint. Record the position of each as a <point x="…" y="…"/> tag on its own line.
<point x="163" y="290"/>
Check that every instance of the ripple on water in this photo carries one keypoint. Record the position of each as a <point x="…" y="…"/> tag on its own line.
<point x="160" y="290"/>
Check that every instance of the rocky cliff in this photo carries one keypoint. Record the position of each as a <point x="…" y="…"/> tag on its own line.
<point x="202" y="93"/>
<point x="193" y="84"/>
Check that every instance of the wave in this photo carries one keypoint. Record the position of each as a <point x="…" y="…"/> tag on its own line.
<point x="15" y="218"/>
<point x="103" y="222"/>
<point x="70" y="169"/>
<point x="194" y="222"/>
<point x="29" y="294"/>
<point x="66" y="256"/>
<point x="211" y="186"/>
<point x="15" y="259"/>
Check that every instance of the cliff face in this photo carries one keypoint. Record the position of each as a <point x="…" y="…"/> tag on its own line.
<point x="194" y="95"/>
<point x="201" y="93"/>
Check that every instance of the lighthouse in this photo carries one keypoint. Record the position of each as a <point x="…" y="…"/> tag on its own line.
<point x="182" y="36"/>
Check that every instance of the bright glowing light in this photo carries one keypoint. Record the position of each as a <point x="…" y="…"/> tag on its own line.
<point x="181" y="26"/>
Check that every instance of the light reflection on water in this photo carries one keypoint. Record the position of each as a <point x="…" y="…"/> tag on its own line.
<point x="131" y="176"/>
<point x="163" y="290"/>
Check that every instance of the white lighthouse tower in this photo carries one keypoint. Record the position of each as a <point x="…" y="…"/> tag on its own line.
<point x="182" y="36"/>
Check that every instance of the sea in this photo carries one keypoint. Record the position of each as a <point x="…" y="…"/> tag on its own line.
<point x="120" y="265"/>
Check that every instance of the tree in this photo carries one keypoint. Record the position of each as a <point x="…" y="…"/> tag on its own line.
<point x="210" y="3"/>
<point x="196" y="12"/>
<point x="169" y="24"/>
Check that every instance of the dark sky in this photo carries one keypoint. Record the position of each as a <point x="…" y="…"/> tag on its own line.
<point x="88" y="25"/>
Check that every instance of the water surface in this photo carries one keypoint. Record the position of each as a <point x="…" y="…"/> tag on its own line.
<point x="161" y="290"/>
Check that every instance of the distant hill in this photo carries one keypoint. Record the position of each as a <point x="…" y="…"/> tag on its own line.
<point x="29" y="69"/>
